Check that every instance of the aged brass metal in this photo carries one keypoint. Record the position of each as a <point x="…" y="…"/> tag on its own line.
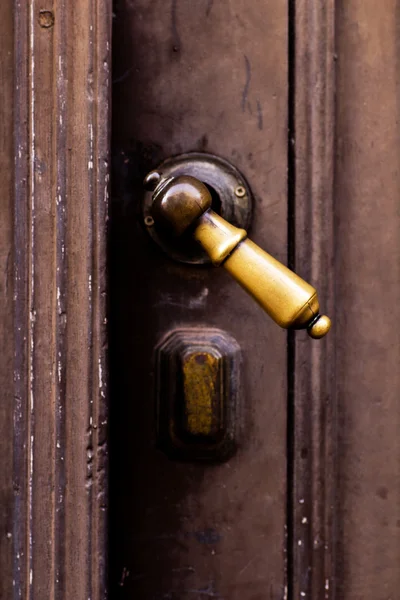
<point x="198" y="394"/>
<point x="231" y="198"/>
<point x="184" y="203"/>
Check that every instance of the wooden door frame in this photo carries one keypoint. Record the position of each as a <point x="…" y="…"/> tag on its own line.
<point x="311" y="367"/>
<point x="59" y="107"/>
<point x="62" y="54"/>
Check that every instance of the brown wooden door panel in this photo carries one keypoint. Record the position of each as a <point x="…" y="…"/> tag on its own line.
<point x="302" y="97"/>
<point x="6" y="301"/>
<point x="187" y="77"/>
<point x="367" y="191"/>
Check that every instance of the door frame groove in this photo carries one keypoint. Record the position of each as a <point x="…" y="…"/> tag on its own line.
<point x="311" y="401"/>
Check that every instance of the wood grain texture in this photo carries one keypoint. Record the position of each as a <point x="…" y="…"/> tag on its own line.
<point x="196" y="76"/>
<point x="6" y="297"/>
<point x="367" y="189"/>
<point x="61" y="188"/>
<point x="311" y="364"/>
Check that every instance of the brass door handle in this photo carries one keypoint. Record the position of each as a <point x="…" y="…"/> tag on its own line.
<point x="184" y="203"/>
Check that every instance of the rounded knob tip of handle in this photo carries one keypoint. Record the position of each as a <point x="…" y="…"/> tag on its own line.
<point x="319" y="327"/>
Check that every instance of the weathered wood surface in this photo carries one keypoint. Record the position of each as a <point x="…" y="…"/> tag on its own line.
<point x="189" y="76"/>
<point x="55" y="101"/>
<point x="61" y="99"/>
<point x="6" y="298"/>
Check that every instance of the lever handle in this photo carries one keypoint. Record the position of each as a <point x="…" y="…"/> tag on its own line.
<point x="184" y="203"/>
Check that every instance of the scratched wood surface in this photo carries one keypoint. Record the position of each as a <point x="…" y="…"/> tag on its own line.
<point x="61" y="99"/>
<point x="179" y="531"/>
<point x="191" y="76"/>
<point x="6" y="299"/>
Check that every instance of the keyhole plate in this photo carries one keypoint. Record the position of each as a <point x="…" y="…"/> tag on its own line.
<point x="198" y="394"/>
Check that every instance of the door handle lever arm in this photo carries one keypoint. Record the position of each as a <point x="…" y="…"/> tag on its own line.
<point x="184" y="203"/>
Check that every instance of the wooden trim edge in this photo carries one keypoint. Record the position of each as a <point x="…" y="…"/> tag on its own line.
<point x="62" y="79"/>
<point x="312" y="540"/>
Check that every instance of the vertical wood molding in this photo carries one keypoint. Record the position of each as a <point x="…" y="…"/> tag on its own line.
<point x="62" y="62"/>
<point x="312" y="395"/>
<point x="6" y="296"/>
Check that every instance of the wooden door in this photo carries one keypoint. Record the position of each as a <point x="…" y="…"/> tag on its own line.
<point x="196" y="78"/>
<point x="212" y="77"/>
<point x="303" y="98"/>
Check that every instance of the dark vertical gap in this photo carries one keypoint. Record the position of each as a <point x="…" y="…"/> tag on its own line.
<point x="291" y="234"/>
